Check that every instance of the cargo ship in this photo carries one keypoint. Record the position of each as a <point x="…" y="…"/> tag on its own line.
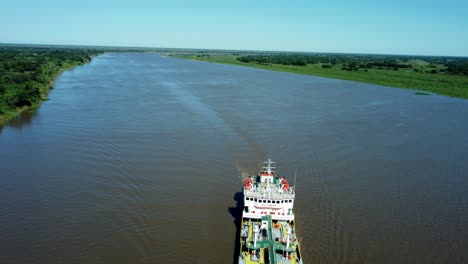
<point x="267" y="232"/>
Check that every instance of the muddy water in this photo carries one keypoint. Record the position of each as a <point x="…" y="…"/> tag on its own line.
<point x="137" y="158"/>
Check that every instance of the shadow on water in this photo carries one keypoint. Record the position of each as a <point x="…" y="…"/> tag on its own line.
<point x="22" y="119"/>
<point x="236" y="213"/>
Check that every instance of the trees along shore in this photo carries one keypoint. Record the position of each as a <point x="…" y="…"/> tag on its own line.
<point x="27" y="75"/>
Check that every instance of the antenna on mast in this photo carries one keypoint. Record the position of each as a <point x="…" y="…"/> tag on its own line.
<point x="295" y="175"/>
<point x="269" y="168"/>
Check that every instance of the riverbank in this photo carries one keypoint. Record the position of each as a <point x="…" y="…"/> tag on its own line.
<point x="439" y="83"/>
<point x="28" y="75"/>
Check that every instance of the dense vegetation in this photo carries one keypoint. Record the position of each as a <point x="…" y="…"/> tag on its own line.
<point x="442" y="75"/>
<point x="458" y="67"/>
<point x="348" y="62"/>
<point x="27" y="74"/>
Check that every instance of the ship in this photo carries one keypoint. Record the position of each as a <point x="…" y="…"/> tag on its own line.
<point x="267" y="231"/>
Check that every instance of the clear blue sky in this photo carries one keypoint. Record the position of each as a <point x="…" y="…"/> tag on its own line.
<point x="393" y="27"/>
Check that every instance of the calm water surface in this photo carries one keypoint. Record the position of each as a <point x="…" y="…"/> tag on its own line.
<point x="137" y="159"/>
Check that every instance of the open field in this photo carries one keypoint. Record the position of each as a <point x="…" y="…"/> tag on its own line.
<point x="440" y="83"/>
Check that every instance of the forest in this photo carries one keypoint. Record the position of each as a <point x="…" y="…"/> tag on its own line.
<point x="27" y="74"/>
<point x="354" y="62"/>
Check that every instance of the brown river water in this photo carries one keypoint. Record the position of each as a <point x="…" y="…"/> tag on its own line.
<point x="138" y="158"/>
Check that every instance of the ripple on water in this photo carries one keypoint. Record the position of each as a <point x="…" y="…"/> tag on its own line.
<point x="137" y="158"/>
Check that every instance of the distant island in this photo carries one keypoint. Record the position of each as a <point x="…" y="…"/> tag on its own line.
<point x="441" y="75"/>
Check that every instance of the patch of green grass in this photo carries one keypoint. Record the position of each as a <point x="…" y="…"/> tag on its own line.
<point x="439" y="83"/>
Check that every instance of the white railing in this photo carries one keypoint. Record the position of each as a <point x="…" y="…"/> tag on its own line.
<point x="272" y="194"/>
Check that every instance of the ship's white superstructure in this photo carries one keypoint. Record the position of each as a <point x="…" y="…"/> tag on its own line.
<point x="268" y="233"/>
<point x="272" y="195"/>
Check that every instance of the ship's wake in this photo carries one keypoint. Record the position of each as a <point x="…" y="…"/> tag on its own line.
<point x="245" y="153"/>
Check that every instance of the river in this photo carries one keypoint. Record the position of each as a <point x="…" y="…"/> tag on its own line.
<point x="137" y="158"/>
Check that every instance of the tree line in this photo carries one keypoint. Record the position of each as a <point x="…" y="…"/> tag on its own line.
<point x="350" y="62"/>
<point x="27" y="74"/>
<point x="458" y="67"/>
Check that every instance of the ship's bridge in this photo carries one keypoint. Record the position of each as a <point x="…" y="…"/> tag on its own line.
<point x="270" y="192"/>
<point x="268" y="199"/>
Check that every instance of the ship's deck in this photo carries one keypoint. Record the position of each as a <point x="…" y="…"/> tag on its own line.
<point x="271" y="244"/>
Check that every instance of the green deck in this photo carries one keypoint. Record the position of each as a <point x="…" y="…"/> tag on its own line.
<point x="270" y="243"/>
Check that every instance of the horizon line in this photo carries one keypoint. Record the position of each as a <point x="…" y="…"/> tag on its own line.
<point x="226" y="50"/>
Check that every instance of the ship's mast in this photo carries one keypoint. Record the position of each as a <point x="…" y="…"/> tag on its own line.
<point x="295" y="176"/>
<point x="268" y="167"/>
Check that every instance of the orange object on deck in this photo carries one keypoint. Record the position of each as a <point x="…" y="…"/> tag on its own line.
<point x="285" y="184"/>
<point x="248" y="183"/>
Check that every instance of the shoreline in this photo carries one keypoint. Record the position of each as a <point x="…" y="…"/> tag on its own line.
<point x="447" y="85"/>
<point x="49" y="85"/>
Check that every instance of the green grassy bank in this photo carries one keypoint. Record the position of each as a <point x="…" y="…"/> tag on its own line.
<point x="422" y="75"/>
<point x="28" y="74"/>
